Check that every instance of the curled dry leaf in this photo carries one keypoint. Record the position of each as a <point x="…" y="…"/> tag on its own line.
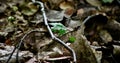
<point x="68" y="7"/>
<point x="65" y="5"/>
<point x="68" y="12"/>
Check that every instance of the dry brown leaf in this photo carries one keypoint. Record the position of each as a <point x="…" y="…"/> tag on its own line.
<point x="68" y="8"/>
<point x="8" y="42"/>
<point x="68" y="12"/>
<point x="66" y="5"/>
<point x="80" y="11"/>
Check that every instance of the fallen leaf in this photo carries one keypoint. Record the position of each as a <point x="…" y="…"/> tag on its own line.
<point x="68" y="8"/>
<point x="96" y="3"/>
<point x="29" y="9"/>
<point x="66" y="5"/>
<point x="68" y="12"/>
<point x="8" y="42"/>
<point x="54" y="15"/>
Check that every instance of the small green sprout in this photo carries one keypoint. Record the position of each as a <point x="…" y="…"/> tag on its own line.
<point x="72" y="39"/>
<point x="61" y="32"/>
<point x="15" y="8"/>
<point x="11" y="18"/>
<point x="58" y="28"/>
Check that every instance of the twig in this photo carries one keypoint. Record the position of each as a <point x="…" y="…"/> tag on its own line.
<point x="19" y="45"/>
<point x="17" y="56"/>
<point x="11" y="54"/>
<point x="51" y="33"/>
<point x="83" y="23"/>
<point x="58" y="58"/>
<point x="89" y="17"/>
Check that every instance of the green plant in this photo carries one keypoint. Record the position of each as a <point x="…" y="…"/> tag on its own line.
<point x="107" y="1"/>
<point x="15" y="8"/>
<point x="72" y="39"/>
<point x="11" y="18"/>
<point x="59" y="28"/>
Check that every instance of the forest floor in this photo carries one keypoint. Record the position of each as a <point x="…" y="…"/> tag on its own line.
<point x="90" y="27"/>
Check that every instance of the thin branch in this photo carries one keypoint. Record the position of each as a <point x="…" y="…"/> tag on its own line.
<point x="69" y="48"/>
<point x="51" y="33"/>
<point x="19" y="45"/>
<point x="58" y="58"/>
<point x="11" y="54"/>
<point x="17" y="56"/>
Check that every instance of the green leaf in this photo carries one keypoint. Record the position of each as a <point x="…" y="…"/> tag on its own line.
<point x="59" y="28"/>
<point x="72" y="39"/>
<point x="107" y="1"/>
<point x="11" y="18"/>
<point x="15" y="8"/>
<point x="61" y="32"/>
